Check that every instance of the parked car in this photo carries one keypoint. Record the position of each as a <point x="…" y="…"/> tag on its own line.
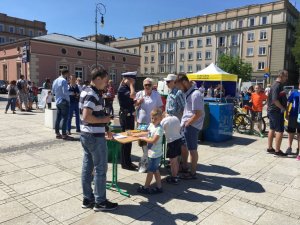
<point x="3" y="86"/>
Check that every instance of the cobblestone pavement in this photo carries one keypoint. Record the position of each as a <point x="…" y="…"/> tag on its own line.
<point x="239" y="183"/>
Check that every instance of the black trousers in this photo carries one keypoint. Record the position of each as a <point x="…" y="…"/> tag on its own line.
<point x="127" y="123"/>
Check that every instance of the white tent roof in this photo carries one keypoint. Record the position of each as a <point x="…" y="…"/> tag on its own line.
<point x="211" y="69"/>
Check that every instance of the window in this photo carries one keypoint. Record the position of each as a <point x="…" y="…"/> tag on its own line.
<point x="182" y="32"/>
<point x="134" y="51"/>
<point x="162" y="59"/>
<point x="208" y="41"/>
<point x="261" y="65"/>
<point x="182" y="44"/>
<point x="146" y="59"/>
<point x="146" y="70"/>
<point x="240" y="23"/>
<point x="262" y="50"/>
<point x="234" y="52"/>
<point x="229" y="25"/>
<point x="12" y="40"/>
<point x="168" y="34"/>
<point x="199" y="56"/>
<point x="208" y="55"/>
<point x="61" y="67"/>
<point x="171" y="59"/>
<point x="146" y="48"/>
<point x="190" y="68"/>
<point x="113" y="58"/>
<point x="209" y="28"/>
<point x="162" y="47"/>
<point x="147" y="38"/>
<point x="153" y="36"/>
<point x="190" y="56"/>
<point x="152" y="59"/>
<point x="79" y="72"/>
<point x="251" y="22"/>
<point x="263" y="20"/>
<point x="162" y="69"/>
<point x="199" y="43"/>
<point x="250" y="36"/>
<point x="234" y="40"/>
<point x="222" y="41"/>
<point x="263" y="35"/>
<point x="21" y="30"/>
<point x="191" y="31"/>
<point x="152" y="69"/>
<point x="160" y="36"/>
<point x="198" y="67"/>
<point x="171" y="47"/>
<point x="63" y="51"/>
<point x="11" y="29"/>
<point x="250" y="51"/>
<point x="152" y="48"/>
<point x="181" y="58"/>
<point x="200" y="30"/>
<point x="181" y="68"/>
<point x="30" y="33"/>
<point x="191" y="43"/>
<point x="113" y="75"/>
<point x="175" y="33"/>
<point x="79" y="53"/>
<point x="2" y="40"/>
<point x="219" y="27"/>
<point x="40" y="33"/>
<point x="1" y="27"/>
<point x="124" y="59"/>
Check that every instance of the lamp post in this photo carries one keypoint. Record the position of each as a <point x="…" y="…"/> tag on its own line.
<point x="101" y="9"/>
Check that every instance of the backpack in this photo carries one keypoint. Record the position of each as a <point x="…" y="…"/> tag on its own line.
<point x="12" y="91"/>
<point x="19" y="85"/>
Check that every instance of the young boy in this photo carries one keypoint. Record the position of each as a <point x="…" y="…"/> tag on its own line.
<point x="171" y="126"/>
<point x="257" y="99"/>
<point x="154" y="144"/>
<point x="49" y="99"/>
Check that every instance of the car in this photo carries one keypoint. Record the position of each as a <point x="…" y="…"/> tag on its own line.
<point x="3" y="86"/>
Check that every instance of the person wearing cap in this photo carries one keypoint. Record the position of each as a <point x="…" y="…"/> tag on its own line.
<point x="126" y="96"/>
<point x="175" y="100"/>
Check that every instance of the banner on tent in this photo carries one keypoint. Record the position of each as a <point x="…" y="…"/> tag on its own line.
<point x="213" y="77"/>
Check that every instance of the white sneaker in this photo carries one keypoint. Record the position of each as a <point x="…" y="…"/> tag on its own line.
<point x="142" y="169"/>
<point x="288" y="151"/>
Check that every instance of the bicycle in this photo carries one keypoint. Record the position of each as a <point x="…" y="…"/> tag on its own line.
<point x="242" y="123"/>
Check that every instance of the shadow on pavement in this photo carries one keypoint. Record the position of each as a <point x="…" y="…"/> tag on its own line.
<point x="217" y="169"/>
<point x="242" y="141"/>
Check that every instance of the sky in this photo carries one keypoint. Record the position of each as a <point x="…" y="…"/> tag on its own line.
<point x="123" y="18"/>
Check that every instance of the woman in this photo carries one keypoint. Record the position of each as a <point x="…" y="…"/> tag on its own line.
<point x="12" y="96"/>
<point x="47" y="84"/>
<point x="146" y="101"/>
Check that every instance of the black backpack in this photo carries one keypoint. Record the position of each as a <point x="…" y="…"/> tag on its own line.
<point x="19" y="85"/>
<point x="12" y="91"/>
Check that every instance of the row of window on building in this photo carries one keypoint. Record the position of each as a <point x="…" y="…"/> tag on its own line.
<point x="19" y="30"/>
<point x="220" y="26"/>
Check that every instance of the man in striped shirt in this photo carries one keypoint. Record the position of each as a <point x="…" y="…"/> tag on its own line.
<point x="93" y="125"/>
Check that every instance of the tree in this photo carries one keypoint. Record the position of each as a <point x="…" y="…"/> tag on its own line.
<point x="296" y="48"/>
<point x="235" y="65"/>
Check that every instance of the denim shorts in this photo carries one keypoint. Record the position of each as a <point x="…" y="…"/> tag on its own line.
<point x="153" y="164"/>
<point x="276" y="121"/>
<point x="191" y="135"/>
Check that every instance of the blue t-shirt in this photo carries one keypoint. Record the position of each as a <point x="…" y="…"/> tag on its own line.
<point x="294" y="99"/>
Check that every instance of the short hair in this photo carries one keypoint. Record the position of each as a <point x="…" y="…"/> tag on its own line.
<point x="64" y="71"/>
<point x="282" y="72"/>
<point x="86" y="82"/>
<point x="182" y="77"/>
<point x="98" y="72"/>
<point x="21" y="76"/>
<point x="148" y="79"/>
<point x="13" y="82"/>
<point x="156" y="112"/>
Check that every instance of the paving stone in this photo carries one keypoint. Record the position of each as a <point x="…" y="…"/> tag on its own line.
<point x="218" y="218"/>
<point x="26" y="219"/>
<point x="264" y="198"/>
<point x="270" y="217"/>
<point x="43" y="170"/>
<point x="57" y="178"/>
<point x="30" y="185"/>
<point x="16" y="177"/>
<point x="291" y="193"/>
<point x="11" y="210"/>
<point x="8" y="168"/>
<point x="94" y="219"/>
<point x="285" y="204"/>
<point x="3" y="195"/>
<point x="19" y="158"/>
<point x="73" y="188"/>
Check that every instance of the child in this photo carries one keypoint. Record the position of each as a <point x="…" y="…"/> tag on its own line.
<point x="154" y="144"/>
<point x="49" y="99"/>
<point x="257" y="99"/>
<point x="171" y="126"/>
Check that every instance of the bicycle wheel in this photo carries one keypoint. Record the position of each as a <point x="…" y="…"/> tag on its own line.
<point x="243" y="123"/>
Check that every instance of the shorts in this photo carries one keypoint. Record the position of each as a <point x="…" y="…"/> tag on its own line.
<point x="23" y="97"/>
<point x="256" y="116"/>
<point x="293" y="125"/>
<point x="191" y="135"/>
<point x="153" y="164"/>
<point x="276" y="121"/>
<point x="174" y="148"/>
<point x="34" y="99"/>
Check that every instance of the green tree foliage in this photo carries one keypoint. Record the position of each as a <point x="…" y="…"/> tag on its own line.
<point x="296" y="48"/>
<point x="235" y="65"/>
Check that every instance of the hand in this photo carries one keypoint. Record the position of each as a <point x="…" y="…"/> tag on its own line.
<point x="187" y="123"/>
<point x="106" y="119"/>
<point x="140" y="101"/>
<point x="142" y="138"/>
<point x="109" y="135"/>
<point x="131" y="81"/>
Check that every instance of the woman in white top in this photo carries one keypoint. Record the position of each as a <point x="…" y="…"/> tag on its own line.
<point x="146" y="100"/>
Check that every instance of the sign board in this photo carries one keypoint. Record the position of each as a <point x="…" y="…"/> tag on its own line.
<point x="25" y="54"/>
<point x="42" y="98"/>
<point x="266" y="75"/>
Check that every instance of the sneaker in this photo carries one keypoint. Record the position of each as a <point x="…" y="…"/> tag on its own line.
<point x="14" y="112"/>
<point x="298" y="158"/>
<point x="261" y="135"/>
<point x="271" y="150"/>
<point x="5" y="112"/>
<point x="87" y="203"/>
<point x="288" y="151"/>
<point x="105" y="206"/>
<point x="172" y="180"/>
<point x="280" y="153"/>
<point x="157" y="190"/>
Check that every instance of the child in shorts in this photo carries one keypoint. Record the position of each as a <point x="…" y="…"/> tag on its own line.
<point x="154" y="145"/>
<point x="171" y="126"/>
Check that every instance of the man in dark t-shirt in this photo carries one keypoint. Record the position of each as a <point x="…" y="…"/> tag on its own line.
<point x="277" y="101"/>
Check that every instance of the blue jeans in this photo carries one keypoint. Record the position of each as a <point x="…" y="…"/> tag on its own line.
<point x="12" y="103"/>
<point x="74" y="107"/>
<point x="94" y="158"/>
<point x="62" y="114"/>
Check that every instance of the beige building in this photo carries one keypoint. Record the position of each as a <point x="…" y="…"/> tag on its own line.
<point x="261" y="35"/>
<point x="13" y="29"/>
<point x="132" y="45"/>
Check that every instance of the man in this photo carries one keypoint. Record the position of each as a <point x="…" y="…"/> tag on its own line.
<point x="276" y="107"/>
<point x="192" y="120"/>
<point x="175" y="100"/>
<point x="92" y="138"/>
<point x="109" y="98"/>
<point x="291" y="116"/>
<point x="126" y="96"/>
<point x="23" y="93"/>
<point x="62" y="99"/>
<point x="74" y="93"/>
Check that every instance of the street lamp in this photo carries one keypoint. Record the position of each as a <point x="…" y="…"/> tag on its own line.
<point x="101" y="9"/>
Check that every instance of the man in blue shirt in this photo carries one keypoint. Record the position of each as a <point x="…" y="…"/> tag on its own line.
<point x="293" y="125"/>
<point x="74" y="104"/>
<point x="62" y="99"/>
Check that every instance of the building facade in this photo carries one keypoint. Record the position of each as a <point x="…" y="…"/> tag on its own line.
<point x="132" y="45"/>
<point x="261" y="35"/>
<point x="49" y="54"/>
<point x="13" y="29"/>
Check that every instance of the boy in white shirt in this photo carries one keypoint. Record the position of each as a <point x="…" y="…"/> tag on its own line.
<point x="171" y="126"/>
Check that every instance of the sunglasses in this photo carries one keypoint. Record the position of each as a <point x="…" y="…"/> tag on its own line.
<point x="168" y="81"/>
<point x="147" y="85"/>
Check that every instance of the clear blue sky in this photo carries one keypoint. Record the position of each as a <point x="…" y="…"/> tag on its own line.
<point x="124" y="18"/>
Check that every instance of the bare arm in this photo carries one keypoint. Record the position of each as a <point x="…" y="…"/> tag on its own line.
<point x="88" y="117"/>
<point x="152" y="140"/>
<point x="195" y="117"/>
<point x="278" y="104"/>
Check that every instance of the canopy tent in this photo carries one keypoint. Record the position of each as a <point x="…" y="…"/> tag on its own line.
<point x="213" y="75"/>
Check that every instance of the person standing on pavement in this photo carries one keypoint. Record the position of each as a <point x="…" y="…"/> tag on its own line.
<point x="23" y="93"/>
<point x="12" y="96"/>
<point x="293" y="125"/>
<point x="93" y="125"/>
<point x="276" y="107"/>
<point x="109" y="98"/>
<point x="126" y="96"/>
<point x="62" y="99"/>
<point x="192" y="120"/>
<point x="74" y="93"/>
